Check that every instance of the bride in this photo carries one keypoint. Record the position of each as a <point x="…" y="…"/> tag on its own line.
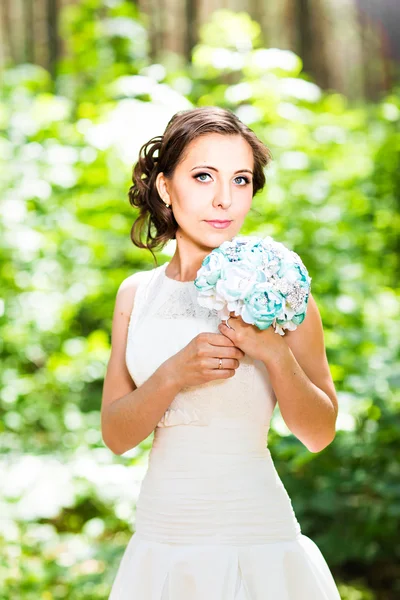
<point x="213" y="518"/>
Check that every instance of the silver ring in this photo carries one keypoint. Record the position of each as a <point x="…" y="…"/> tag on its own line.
<point x="220" y="364"/>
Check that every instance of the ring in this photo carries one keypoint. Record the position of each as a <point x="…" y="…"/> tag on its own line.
<point x="220" y="364"/>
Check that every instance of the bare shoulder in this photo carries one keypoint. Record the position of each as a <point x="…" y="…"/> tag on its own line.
<point x="124" y="304"/>
<point x="126" y="294"/>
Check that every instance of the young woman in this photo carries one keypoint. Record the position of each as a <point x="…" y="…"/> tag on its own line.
<point x="213" y="519"/>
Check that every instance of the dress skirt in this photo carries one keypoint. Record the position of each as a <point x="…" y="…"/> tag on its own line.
<point x="214" y="522"/>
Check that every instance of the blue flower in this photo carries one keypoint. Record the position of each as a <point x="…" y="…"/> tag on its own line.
<point x="262" y="305"/>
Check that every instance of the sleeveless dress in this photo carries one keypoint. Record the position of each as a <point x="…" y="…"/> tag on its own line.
<point x="213" y="519"/>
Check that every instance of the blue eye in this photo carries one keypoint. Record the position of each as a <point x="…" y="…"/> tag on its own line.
<point x="200" y="174"/>
<point x="246" y="179"/>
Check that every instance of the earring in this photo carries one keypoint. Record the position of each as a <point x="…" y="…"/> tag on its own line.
<point x="167" y="205"/>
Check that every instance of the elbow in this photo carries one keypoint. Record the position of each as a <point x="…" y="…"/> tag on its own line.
<point x="110" y="439"/>
<point x="107" y="436"/>
<point x="112" y="445"/>
<point x="319" y="445"/>
<point x="116" y="448"/>
<point x="118" y="439"/>
<point x="115" y="443"/>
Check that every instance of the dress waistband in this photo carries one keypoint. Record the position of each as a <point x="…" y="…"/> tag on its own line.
<point x="220" y="437"/>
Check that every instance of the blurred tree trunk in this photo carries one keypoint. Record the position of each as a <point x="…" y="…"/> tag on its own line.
<point x="9" y="42"/>
<point x="29" y="28"/>
<point x="345" y="45"/>
<point x="192" y="26"/>
<point x="304" y="30"/>
<point x="375" y="44"/>
<point x="148" y="8"/>
<point x="52" y="35"/>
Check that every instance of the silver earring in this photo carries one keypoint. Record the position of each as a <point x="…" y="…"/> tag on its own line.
<point x="167" y="205"/>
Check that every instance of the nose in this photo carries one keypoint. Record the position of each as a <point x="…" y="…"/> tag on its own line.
<point x="223" y="196"/>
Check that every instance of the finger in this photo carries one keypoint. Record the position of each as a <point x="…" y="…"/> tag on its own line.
<point x="221" y="373"/>
<point x="216" y="339"/>
<point x="226" y="330"/>
<point x="225" y="349"/>
<point x="228" y="362"/>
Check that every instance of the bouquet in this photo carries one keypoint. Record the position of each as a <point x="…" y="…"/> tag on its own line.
<point x="258" y="279"/>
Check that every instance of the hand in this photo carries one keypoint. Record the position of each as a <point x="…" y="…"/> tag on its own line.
<point x="259" y="344"/>
<point x="198" y="361"/>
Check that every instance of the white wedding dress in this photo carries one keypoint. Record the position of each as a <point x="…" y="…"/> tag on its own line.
<point x="213" y="519"/>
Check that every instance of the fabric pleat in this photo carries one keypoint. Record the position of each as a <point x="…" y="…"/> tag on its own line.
<point x="292" y="570"/>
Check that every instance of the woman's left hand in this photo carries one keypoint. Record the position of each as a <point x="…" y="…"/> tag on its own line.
<point x="256" y="343"/>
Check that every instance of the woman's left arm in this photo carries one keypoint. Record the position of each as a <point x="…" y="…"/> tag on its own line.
<point x="303" y="383"/>
<point x="299" y="373"/>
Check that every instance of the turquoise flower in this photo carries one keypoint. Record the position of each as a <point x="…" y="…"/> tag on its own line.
<point x="262" y="305"/>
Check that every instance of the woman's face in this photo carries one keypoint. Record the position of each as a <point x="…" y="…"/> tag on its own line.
<point x="213" y="182"/>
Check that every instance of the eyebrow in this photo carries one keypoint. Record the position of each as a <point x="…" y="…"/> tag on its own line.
<point x="214" y="169"/>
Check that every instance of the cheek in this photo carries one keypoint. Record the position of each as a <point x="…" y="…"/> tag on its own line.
<point x="187" y="201"/>
<point x="243" y="205"/>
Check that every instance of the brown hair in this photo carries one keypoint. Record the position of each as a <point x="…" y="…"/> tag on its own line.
<point x="182" y="128"/>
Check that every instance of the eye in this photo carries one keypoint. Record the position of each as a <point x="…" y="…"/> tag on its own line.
<point x="246" y="179"/>
<point x="200" y="174"/>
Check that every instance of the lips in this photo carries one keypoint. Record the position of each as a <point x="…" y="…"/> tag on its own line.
<point x="219" y="224"/>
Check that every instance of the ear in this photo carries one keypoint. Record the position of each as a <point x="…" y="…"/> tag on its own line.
<point x="162" y="188"/>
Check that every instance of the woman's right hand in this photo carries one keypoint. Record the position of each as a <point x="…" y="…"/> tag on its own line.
<point x="198" y="361"/>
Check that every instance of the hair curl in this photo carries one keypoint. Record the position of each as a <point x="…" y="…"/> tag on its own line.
<point x="155" y="219"/>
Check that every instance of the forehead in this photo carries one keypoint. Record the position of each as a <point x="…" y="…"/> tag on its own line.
<point x="225" y="152"/>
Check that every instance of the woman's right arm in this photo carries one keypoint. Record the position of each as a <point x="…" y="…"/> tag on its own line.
<point x="129" y="413"/>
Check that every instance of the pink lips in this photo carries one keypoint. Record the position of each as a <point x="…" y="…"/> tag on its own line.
<point x="219" y="224"/>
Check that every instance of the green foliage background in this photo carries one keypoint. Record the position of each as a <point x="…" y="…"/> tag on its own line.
<point x="67" y="504"/>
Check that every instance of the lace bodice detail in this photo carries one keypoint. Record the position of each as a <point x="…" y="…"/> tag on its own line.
<point x="182" y="304"/>
<point x="164" y="319"/>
